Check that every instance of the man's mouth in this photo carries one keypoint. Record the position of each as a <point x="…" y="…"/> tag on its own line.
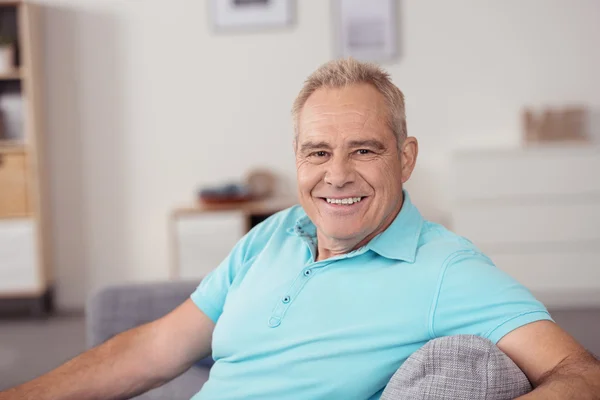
<point x="343" y="201"/>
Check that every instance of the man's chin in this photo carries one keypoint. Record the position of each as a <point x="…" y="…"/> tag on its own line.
<point x="344" y="235"/>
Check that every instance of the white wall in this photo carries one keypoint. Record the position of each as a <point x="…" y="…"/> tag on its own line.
<point x="145" y="103"/>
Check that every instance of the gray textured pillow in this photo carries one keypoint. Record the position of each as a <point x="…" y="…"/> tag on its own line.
<point x="457" y="367"/>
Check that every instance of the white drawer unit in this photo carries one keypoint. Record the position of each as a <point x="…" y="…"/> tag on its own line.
<point x="536" y="213"/>
<point x="552" y="270"/>
<point x="504" y="222"/>
<point x="18" y="264"/>
<point x="519" y="174"/>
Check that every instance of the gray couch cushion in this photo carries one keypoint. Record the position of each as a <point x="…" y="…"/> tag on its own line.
<point x="457" y="367"/>
<point x="114" y="309"/>
<point x="183" y="387"/>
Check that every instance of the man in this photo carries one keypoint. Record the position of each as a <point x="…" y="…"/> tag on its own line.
<point x="326" y="300"/>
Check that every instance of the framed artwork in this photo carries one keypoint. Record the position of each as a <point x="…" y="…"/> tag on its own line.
<point x="366" y="29"/>
<point x="250" y="14"/>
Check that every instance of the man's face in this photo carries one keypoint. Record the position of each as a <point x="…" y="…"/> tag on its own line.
<point x="350" y="171"/>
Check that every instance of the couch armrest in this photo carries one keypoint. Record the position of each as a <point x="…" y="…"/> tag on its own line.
<point x="115" y="309"/>
<point x="457" y="367"/>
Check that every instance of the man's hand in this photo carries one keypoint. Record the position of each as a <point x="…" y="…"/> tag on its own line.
<point x="128" y="364"/>
<point x="556" y="365"/>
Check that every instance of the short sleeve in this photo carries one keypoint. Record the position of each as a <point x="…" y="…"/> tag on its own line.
<point x="474" y="297"/>
<point x="210" y="295"/>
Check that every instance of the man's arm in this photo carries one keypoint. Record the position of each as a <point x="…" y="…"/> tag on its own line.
<point x="557" y="366"/>
<point x="128" y="364"/>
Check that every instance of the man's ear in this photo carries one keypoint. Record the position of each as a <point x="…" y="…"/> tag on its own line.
<point x="408" y="153"/>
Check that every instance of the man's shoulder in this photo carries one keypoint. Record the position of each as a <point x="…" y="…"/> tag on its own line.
<point x="438" y="243"/>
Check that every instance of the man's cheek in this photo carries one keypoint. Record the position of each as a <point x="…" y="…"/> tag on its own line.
<point x="305" y="183"/>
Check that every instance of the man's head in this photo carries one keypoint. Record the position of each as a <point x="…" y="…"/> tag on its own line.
<point x="351" y="147"/>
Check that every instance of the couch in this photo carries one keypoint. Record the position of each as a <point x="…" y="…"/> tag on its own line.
<point x="455" y="367"/>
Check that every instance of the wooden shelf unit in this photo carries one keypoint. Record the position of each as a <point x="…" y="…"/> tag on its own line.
<point x="25" y="271"/>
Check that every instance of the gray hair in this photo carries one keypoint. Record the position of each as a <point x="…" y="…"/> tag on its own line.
<point x="344" y="72"/>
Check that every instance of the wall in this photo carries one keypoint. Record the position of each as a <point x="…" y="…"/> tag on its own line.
<point x="145" y="103"/>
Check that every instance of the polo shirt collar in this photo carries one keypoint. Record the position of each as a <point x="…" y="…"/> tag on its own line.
<point x="399" y="241"/>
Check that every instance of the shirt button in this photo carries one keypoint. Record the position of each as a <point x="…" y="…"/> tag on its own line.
<point x="307" y="272"/>
<point x="286" y="299"/>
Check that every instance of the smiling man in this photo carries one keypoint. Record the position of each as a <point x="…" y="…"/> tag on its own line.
<point x="326" y="300"/>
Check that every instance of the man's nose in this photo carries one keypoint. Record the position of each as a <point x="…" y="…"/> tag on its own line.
<point x="340" y="172"/>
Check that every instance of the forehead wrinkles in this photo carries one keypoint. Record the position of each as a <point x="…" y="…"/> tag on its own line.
<point x="332" y="116"/>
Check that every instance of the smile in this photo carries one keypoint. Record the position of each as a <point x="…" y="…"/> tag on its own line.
<point x="348" y="200"/>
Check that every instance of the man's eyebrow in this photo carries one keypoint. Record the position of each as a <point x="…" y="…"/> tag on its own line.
<point x="370" y="143"/>
<point x="307" y="146"/>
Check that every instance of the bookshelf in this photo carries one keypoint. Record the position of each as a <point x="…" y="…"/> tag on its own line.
<point x="25" y="272"/>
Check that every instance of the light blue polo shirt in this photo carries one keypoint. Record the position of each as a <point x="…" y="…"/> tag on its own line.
<point x="288" y="327"/>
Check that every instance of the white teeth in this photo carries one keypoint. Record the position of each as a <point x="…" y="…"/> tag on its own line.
<point x="349" y="200"/>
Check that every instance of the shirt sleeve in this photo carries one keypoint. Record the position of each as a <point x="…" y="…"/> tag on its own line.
<point x="474" y="297"/>
<point x="210" y="295"/>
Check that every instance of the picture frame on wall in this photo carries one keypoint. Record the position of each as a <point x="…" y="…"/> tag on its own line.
<point x="366" y="29"/>
<point x="250" y="14"/>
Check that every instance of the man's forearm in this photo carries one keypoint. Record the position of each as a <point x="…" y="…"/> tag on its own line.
<point x="117" y="369"/>
<point x="576" y="378"/>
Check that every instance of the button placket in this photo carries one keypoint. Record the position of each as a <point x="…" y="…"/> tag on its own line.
<point x="288" y="298"/>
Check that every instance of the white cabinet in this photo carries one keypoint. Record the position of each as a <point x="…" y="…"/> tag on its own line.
<point x="203" y="235"/>
<point x="526" y="173"/>
<point x="500" y="223"/>
<point x="202" y="241"/>
<point x="536" y="213"/>
<point x="18" y="264"/>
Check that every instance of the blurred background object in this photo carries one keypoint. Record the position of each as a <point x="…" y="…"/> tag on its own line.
<point x="366" y="29"/>
<point x="262" y="183"/>
<point x="555" y="124"/>
<point x="258" y="185"/>
<point x="251" y="14"/>
<point x="227" y="193"/>
<point x="7" y="54"/>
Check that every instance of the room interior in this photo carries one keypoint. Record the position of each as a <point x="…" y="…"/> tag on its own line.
<point x="129" y="110"/>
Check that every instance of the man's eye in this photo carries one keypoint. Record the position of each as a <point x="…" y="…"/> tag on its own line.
<point x="319" y="153"/>
<point x="363" y="151"/>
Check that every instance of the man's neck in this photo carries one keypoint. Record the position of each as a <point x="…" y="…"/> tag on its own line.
<point x="328" y="247"/>
<point x="331" y="248"/>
